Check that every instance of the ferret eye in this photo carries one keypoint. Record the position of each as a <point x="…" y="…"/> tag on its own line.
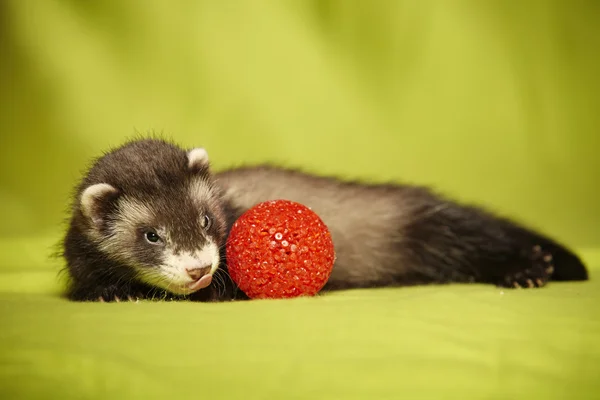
<point x="152" y="237"/>
<point x="205" y="223"/>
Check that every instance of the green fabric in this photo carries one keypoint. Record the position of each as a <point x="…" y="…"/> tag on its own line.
<point x="435" y="342"/>
<point x="490" y="102"/>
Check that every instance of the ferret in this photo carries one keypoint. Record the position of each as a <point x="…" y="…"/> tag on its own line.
<point x="150" y="220"/>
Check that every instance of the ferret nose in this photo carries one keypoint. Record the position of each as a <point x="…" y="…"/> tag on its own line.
<point x="197" y="273"/>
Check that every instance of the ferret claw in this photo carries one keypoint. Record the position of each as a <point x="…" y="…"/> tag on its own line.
<point x="536" y="274"/>
<point x="117" y="299"/>
<point x="539" y="282"/>
<point x="530" y="283"/>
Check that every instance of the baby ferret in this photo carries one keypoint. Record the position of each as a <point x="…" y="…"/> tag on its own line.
<point x="150" y="220"/>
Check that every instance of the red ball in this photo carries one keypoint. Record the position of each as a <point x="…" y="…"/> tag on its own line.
<point x="280" y="249"/>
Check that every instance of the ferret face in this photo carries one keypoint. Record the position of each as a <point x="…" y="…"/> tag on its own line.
<point x="163" y="221"/>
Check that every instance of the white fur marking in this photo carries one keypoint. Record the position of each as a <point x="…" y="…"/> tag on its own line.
<point x="172" y="275"/>
<point x="197" y="157"/>
<point x="133" y="212"/>
<point x="200" y="189"/>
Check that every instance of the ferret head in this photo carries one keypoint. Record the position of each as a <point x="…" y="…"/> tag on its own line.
<point x="154" y="208"/>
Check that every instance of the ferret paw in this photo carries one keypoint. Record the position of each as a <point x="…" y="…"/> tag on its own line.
<point x="109" y="296"/>
<point x="118" y="299"/>
<point x="537" y="274"/>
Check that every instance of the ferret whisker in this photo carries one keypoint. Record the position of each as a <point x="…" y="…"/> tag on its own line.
<point x="225" y="271"/>
<point x="216" y="280"/>
<point x="221" y="281"/>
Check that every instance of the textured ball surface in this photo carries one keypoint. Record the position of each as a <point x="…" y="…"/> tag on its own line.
<point x="280" y="249"/>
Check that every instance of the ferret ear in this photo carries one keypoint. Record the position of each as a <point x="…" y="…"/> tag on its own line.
<point x="96" y="201"/>
<point x="197" y="159"/>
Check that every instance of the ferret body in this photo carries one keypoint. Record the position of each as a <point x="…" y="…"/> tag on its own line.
<point x="150" y="220"/>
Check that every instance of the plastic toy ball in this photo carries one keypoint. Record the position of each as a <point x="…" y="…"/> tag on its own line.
<point x="280" y="249"/>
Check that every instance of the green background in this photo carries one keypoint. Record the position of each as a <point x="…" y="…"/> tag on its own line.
<point x="494" y="102"/>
